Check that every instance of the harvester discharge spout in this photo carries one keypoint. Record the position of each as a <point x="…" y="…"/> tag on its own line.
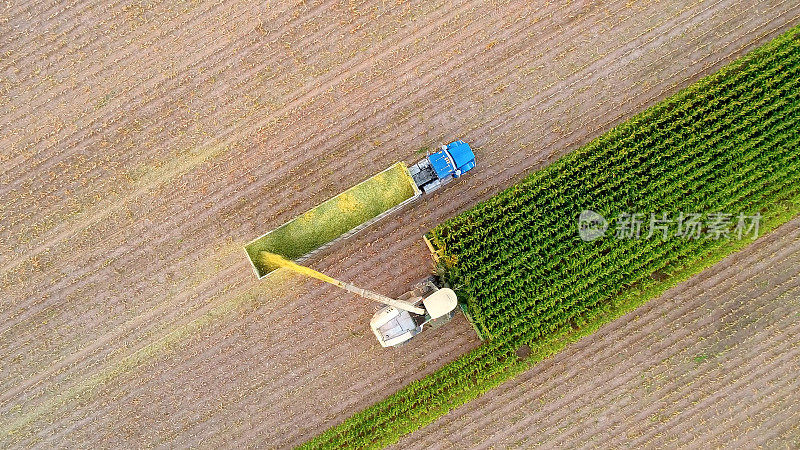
<point x="278" y="261"/>
<point x="380" y="298"/>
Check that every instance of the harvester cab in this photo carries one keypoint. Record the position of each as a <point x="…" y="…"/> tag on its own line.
<point x="395" y="326"/>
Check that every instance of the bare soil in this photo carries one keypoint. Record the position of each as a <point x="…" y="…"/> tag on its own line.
<point x="712" y="363"/>
<point x="142" y="144"/>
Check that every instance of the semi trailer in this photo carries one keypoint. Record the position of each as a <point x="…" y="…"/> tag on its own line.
<point x="353" y="210"/>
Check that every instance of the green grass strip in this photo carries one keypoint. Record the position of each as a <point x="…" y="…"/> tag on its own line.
<point x="728" y="143"/>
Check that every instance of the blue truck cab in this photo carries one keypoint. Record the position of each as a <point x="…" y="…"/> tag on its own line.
<point x="439" y="168"/>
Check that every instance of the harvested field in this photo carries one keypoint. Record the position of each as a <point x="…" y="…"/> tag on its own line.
<point x="131" y="129"/>
<point x="712" y="363"/>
